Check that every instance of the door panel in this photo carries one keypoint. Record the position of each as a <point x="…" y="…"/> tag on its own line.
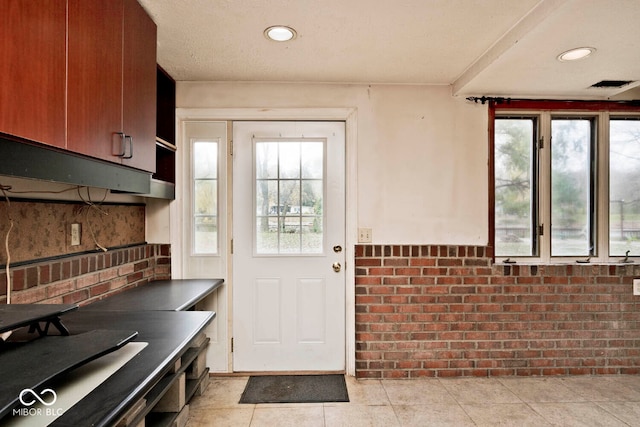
<point x="268" y="312"/>
<point x="289" y="212"/>
<point x="312" y="303"/>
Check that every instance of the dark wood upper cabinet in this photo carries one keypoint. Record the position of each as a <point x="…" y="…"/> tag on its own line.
<point x="95" y="78"/>
<point x="139" y="71"/>
<point x="33" y="70"/>
<point x="80" y="75"/>
<point x="112" y="87"/>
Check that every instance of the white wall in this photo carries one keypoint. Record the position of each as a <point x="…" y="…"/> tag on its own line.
<point x="158" y="221"/>
<point x="421" y="153"/>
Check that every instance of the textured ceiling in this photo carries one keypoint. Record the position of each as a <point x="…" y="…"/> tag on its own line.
<point x="478" y="47"/>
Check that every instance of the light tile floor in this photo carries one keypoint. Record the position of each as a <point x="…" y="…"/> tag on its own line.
<point x="504" y="401"/>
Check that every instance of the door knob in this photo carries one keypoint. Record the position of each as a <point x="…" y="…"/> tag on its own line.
<point x="336" y="267"/>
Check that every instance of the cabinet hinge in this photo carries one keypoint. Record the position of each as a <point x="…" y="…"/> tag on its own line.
<point x="541" y="143"/>
<point x="231" y="245"/>
<point x="231" y="148"/>
<point x="231" y="344"/>
<point x="541" y="230"/>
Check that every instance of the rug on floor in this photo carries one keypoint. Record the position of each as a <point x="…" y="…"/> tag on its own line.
<point x="295" y="389"/>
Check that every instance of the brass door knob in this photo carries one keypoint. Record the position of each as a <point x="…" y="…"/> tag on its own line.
<point x="337" y="267"/>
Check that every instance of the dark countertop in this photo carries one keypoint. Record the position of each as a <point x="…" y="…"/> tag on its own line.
<point x="174" y="295"/>
<point x="54" y="356"/>
<point x="168" y="334"/>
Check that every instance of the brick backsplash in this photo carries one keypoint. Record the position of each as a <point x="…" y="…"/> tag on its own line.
<point x="86" y="278"/>
<point x="439" y="311"/>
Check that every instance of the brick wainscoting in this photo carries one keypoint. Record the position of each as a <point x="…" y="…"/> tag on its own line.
<point x="86" y="278"/>
<point x="448" y="311"/>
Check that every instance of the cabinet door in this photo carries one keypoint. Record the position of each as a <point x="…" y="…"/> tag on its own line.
<point x="32" y="86"/>
<point x="139" y="91"/>
<point x="95" y="78"/>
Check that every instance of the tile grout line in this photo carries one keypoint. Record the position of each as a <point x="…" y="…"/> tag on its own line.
<point x="393" y="407"/>
<point x="460" y="405"/>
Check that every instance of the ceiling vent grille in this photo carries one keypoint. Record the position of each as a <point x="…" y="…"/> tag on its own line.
<point x="612" y="83"/>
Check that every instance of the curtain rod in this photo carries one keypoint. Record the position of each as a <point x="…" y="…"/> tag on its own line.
<point x="501" y="100"/>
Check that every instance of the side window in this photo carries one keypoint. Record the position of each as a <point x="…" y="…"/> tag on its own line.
<point x="205" y="197"/>
<point x="572" y="187"/>
<point x="515" y="186"/>
<point x="624" y="187"/>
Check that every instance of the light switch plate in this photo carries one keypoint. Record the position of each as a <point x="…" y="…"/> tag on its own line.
<point x="364" y="235"/>
<point x="636" y="286"/>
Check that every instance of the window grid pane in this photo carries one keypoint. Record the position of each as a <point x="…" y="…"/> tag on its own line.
<point x="205" y="198"/>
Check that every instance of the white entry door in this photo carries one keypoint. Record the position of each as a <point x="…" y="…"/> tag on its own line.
<point x="288" y="246"/>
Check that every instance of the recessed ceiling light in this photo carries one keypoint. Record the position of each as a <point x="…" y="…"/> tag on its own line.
<point x="575" y="54"/>
<point x="280" y="33"/>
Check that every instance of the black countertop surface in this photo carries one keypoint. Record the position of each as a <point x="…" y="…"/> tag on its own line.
<point x="167" y="333"/>
<point x="54" y="356"/>
<point x="175" y="295"/>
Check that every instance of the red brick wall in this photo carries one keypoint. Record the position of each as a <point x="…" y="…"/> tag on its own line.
<point x="86" y="278"/>
<point x="448" y="311"/>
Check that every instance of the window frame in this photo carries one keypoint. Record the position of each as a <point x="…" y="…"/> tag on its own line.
<point x="616" y="116"/>
<point x="535" y="174"/>
<point x="594" y="167"/>
<point x="192" y="188"/>
<point x="545" y="111"/>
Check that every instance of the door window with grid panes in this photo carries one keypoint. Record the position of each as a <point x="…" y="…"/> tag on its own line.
<point x="289" y="194"/>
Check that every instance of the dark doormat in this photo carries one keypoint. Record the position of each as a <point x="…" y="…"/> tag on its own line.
<point x="295" y="389"/>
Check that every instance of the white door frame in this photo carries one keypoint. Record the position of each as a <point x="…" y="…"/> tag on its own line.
<point x="349" y="116"/>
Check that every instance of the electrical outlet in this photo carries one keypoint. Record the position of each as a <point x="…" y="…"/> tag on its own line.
<point x="76" y="234"/>
<point x="636" y="286"/>
<point x="364" y="235"/>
